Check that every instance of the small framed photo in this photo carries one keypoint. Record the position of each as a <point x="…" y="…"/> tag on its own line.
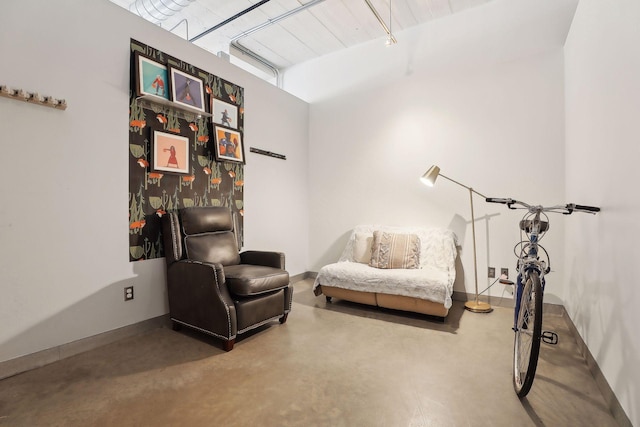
<point x="229" y="146"/>
<point x="152" y="78"/>
<point x="224" y="114"/>
<point x="186" y="89"/>
<point x="170" y="152"/>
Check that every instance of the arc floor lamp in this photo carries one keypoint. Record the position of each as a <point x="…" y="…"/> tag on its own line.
<point x="429" y="178"/>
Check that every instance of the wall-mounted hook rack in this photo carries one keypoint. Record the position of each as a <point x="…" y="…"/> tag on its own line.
<point x="32" y="97"/>
<point x="267" y="153"/>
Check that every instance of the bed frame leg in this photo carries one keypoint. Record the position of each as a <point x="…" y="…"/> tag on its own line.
<point x="328" y="299"/>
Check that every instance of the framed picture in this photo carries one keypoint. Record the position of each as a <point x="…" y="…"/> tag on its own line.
<point x="229" y="146"/>
<point x="186" y="89"/>
<point x="170" y="152"/>
<point x="224" y="114"/>
<point x="151" y="77"/>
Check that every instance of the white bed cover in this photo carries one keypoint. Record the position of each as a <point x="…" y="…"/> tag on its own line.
<point x="433" y="281"/>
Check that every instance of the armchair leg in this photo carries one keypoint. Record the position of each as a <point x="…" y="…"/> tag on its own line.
<point x="283" y="319"/>
<point x="228" y="345"/>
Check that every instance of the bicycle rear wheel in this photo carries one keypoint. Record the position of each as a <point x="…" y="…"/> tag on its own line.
<point x="526" y="346"/>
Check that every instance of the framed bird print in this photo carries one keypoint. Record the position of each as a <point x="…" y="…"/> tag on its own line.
<point x="229" y="145"/>
<point x="152" y="78"/>
<point x="170" y="152"/>
<point x="187" y="90"/>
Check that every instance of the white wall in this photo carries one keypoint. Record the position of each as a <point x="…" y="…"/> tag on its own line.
<point x="276" y="191"/>
<point x="63" y="216"/>
<point x="479" y="94"/>
<point x="476" y="93"/>
<point x="602" y="58"/>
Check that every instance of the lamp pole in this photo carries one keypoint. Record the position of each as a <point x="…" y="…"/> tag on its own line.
<point x="429" y="178"/>
<point x="477" y="305"/>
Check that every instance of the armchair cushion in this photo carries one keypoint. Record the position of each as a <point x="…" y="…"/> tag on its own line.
<point x="216" y="247"/>
<point x="266" y="258"/>
<point x="248" y="280"/>
<point x="209" y="235"/>
<point x="196" y="220"/>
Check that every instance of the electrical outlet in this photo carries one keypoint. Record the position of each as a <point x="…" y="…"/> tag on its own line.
<point x="128" y="293"/>
<point x="504" y="271"/>
<point x="492" y="272"/>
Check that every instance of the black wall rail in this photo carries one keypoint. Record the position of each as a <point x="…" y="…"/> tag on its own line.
<point x="267" y="153"/>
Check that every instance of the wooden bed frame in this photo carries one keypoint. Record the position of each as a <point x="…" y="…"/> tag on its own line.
<point x="395" y="302"/>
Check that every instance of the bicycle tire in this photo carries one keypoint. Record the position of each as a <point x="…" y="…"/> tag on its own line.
<point x="528" y="330"/>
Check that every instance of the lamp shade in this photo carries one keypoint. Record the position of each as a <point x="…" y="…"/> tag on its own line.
<point x="429" y="177"/>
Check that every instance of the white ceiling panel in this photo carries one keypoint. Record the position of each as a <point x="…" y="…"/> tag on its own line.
<point x="289" y="33"/>
<point x="439" y="8"/>
<point x="311" y="31"/>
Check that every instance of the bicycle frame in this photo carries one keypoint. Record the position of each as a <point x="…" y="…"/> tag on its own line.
<point x="529" y="262"/>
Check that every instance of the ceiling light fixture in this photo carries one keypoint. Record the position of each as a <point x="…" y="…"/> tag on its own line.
<point x="390" y="38"/>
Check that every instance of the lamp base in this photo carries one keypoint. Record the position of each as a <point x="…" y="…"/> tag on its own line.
<point x="478" y="306"/>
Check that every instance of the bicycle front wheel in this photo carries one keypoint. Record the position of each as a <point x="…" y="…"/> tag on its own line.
<point x="528" y="329"/>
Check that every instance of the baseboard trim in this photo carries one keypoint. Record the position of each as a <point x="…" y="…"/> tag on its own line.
<point x="31" y="361"/>
<point x="494" y="301"/>
<point x="549" y="308"/>
<point x="609" y="396"/>
<point x="302" y="276"/>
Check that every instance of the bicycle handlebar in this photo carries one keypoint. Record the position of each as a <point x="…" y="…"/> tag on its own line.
<point x="590" y="209"/>
<point x="568" y="208"/>
<point x="497" y="200"/>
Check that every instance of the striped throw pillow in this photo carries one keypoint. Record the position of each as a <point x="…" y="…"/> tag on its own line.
<point x="392" y="250"/>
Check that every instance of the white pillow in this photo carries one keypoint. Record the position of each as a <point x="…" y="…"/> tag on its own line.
<point x="362" y="247"/>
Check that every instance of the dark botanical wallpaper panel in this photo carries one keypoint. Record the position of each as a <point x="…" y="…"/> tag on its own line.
<point x="152" y="192"/>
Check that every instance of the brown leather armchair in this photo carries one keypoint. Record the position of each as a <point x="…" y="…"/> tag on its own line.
<point x="211" y="286"/>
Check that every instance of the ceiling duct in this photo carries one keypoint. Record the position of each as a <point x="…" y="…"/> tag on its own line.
<point x="238" y="50"/>
<point x="157" y="11"/>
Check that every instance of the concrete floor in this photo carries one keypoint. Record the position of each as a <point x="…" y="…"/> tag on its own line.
<point x="338" y="364"/>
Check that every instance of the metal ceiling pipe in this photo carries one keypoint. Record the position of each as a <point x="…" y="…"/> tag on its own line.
<point x="255" y="60"/>
<point x="186" y="23"/>
<point x="157" y="11"/>
<point x="275" y="20"/>
<point x="226" y="21"/>
<point x="381" y="21"/>
<point x="235" y="41"/>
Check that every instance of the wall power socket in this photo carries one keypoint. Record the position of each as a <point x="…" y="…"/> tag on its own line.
<point x="128" y="293"/>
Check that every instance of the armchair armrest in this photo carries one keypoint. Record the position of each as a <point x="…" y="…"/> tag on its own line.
<point x="265" y="258"/>
<point x="198" y="296"/>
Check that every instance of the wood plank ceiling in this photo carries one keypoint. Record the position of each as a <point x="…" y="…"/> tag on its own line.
<point x="283" y="32"/>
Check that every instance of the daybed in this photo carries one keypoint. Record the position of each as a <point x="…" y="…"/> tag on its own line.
<point x="402" y="268"/>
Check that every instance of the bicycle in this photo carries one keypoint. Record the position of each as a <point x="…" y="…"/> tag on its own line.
<point x="527" y="323"/>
